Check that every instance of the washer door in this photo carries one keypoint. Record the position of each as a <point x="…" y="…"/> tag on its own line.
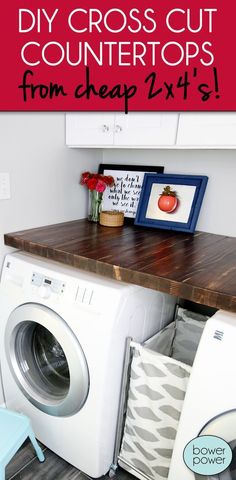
<point x="46" y="360"/>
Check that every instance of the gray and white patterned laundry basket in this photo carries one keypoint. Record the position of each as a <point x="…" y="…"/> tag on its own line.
<point x="159" y="374"/>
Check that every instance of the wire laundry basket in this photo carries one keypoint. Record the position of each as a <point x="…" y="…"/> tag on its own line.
<point x="156" y="377"/>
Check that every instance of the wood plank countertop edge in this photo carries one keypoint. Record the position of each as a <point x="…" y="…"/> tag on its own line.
<point x="146" y="277"/>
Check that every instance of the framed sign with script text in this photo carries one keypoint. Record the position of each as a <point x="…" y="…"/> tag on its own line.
<point x="124" y="195"/>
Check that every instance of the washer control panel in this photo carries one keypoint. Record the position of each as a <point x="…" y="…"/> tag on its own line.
<point x="47" y="285"/>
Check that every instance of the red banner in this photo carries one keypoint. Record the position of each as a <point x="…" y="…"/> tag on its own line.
<point x="122" y="56"/>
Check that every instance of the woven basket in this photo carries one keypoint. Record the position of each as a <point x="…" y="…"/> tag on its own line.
<point x="111" y="218"/>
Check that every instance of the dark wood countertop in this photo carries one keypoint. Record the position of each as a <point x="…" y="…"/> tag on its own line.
<point x="200" y="267"/>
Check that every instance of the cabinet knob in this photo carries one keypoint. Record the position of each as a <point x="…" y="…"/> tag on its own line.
<point x="118" y="128"/>
<point x="105" y="128"/>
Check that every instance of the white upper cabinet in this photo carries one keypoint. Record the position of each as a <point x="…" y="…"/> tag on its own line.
<point x="134" y="130"/>
<point x="89" y="129"/>
<point x="145" y="129"/>
<point x="208" y="129"/>
<point x="151" y="130"/>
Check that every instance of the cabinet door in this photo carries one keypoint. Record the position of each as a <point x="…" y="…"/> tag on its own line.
<point x="207" y="129"/>
<point x="147" y="129"/>
<point x="89" y="129"/>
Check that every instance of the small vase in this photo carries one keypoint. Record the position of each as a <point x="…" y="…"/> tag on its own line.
<point x="95" y="205"/>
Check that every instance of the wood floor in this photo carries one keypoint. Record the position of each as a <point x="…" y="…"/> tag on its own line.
<point x="25" y="466"/>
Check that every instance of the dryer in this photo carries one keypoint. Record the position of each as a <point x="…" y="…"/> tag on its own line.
<point x="210" y="402"/>
<point x="62" y="343"/>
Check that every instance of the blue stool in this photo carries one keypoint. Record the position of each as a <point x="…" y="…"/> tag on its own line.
<point x="14" y="429"/>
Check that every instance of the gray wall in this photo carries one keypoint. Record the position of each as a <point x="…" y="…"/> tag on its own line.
<point x="217" y="214"/>
<point x="44" y="174"/>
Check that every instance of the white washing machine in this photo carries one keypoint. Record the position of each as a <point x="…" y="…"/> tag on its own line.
<point x="210" y="402"/>
<point x="62" y="342"/>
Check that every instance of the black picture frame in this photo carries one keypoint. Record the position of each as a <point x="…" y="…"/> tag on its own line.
<point x="112" y="197"/>
<point x="183" y="216"/>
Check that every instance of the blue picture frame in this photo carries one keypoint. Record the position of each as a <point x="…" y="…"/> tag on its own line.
<point x="185" y="217"/>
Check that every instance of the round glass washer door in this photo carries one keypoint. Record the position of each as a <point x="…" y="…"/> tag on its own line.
<point x="46" y="360"/>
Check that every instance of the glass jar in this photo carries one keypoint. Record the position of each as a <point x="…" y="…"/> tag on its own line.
<point x="95" y="205"/>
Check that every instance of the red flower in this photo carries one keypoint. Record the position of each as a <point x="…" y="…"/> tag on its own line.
<point x="84" y="178"/>
<point x="91" y="183"/>
<point x="101" y="186"/>
<point x="109" y="180"/>
<point x="96" y="181"/>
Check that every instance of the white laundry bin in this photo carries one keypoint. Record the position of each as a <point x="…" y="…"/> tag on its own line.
<point x="157" y="382"/>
